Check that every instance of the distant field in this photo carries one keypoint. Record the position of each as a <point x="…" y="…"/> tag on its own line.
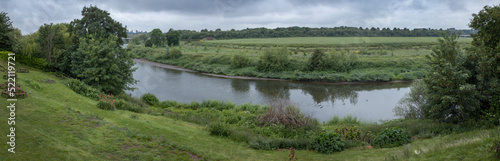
<point x="331" y="40"/>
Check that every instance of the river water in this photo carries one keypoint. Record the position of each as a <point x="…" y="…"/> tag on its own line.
<point x="369" y="102"/>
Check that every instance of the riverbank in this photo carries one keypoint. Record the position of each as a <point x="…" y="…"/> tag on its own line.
<point x="179" y="68"/>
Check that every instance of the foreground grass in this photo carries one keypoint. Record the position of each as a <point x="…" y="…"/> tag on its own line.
<point x="56" y="123"/>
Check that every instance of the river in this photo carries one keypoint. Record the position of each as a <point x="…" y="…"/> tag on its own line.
<point x="368" y="102"/>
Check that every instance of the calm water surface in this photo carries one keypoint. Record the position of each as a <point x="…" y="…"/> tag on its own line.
<point x="368" y="102"/>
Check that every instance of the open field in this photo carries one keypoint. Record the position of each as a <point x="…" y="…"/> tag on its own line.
<point x="55" y="122"/>
<point x="330" y="40"/>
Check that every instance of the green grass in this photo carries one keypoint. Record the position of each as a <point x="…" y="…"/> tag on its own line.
<point x="331" y="40"/>
<point x="55" y="122"/>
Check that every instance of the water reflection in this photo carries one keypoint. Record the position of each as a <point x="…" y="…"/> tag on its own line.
<point x="370" y="102"/>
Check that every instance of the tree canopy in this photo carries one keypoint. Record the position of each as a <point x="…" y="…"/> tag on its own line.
<point x="157" y="37"/>
<point x="5" y="29"/>
<point x="173" y="37"/>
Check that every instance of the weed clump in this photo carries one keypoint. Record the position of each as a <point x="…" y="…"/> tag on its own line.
<point x="327" y="142"/>
<point x="150" y="99"/>
<point x="391" y="137"/>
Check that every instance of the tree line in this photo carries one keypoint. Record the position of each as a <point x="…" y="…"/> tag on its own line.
<point x="342" y="31"/>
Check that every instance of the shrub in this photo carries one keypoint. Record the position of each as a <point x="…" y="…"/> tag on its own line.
<point x="391" y="137"/>
<point x="347" y="120"/>
<point x="274" y="60"/>
<point x="124" y="105"/>
<point x="174" y="53"/>
<point x="219" y="129"/>
<point x="317" y="61"/>
<point x="150" y="99"/>
<point x="348" y="132"/>
<point x="106" y="102"/>
<point x="82" y="88"/>
<point x="328" y="143"/>
<point x="411" y="106"/>
<point x="281" y="111"/>
<point x="168" y="103"/>
<point x="239" y="61"/>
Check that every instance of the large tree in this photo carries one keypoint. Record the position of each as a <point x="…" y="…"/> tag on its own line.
<point x="53" y="40"/>
<point x="97" y="57"/>
<point x="5" y="29"/>
<point x="173" y="37"/>
<point x="104" y="65"/>
<point x="157" y="37"/>
<point x="139" y="39"/>
<point x="484" y="59"/>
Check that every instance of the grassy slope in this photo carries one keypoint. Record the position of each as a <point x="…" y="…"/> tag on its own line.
<point x="56" y="123"/>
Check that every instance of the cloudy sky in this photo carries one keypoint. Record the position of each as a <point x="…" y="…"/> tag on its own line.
<point x="145" y="15"/>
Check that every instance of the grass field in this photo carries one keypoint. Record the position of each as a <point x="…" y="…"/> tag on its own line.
<point x="54" y="122"/>
<point x="331" y="40"/>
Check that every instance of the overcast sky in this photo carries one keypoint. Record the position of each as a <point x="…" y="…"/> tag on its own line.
<point x="145" y="15"/>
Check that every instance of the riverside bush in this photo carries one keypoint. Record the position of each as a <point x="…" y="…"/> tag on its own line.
<point x="124" y="105"/>
<point x="106" y="102"/>
<point x="82" y="88"/>
<point x="327" y="142"/>
<point x="239" y="61"/>
<point x="150" y="99"/>
<point x="219" y="129"/>
<point x="274" y="60"/>
<point x="391" y="137"/>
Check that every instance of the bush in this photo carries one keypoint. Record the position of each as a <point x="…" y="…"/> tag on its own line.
<point x="150" y="99"/>
<point x="347" y="120"/>
<point x="274" y="60"/>
<point x="82" y="88"/>
<point x="411" y="106"/>
<point x="391" y="137"/>
<point x="219" y="129"/>
<point x="124" y="105"/>
<point x="106" y="102"/>
<point x="174" y="53"/>
<point x="281" y="111"/>
<point x="327" y="143"/>
<point x="239" y="61"/>
<point x="168" y="103"/>
<point x="317" y="61"/>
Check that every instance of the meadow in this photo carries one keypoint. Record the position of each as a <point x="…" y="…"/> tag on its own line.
<point x="342" y="59"/>
<point x="55" y="122"/>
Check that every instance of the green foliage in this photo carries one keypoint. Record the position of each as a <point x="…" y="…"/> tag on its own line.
<point x="82" y="88"/>
<point x="138" y="39"/>
<point x="126" y="105"/>
<point x="99" y="23"/>
<point x="412" y="105"/>
<point x="239" y="60"/>
<point x="53" y="40"/>
<point x="173" y="37"/>
<point x="173" y="53"/>
<point x="5" y="29"/>
<point x="274" y="60"/>
<point x="495" y="147"/>
<point x="342" y="61"/>
<point x="278" y="143"/>
<point x="326" y="142"/>
<point x="148" y="43"/>
<point x="347" y="120"/>
<point x="391" y="137"/>
<point x="317" y="61"/>
<point x="451" y="98"/>
<point x="150" y="99"/>
<point x="157" y="37"/>
<point x="219" y="129"/>
<point x="104" y="64"/>
<point x="487" y="24"/>
<point x="168" y="103"/>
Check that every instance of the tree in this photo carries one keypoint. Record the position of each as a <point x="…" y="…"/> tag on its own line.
<point x="484" y="59"/>
<point x="450" y="97"/>
<point x="173" y="37"/>
<point x="157" y="37"/>
<point x="5" y="29"/>
<point x="96" y="57"/>
<point x="104" y="65"/>
<point x="139" y="39"/>
<point x="53" y="40"/>
<point x="97" y="22"/>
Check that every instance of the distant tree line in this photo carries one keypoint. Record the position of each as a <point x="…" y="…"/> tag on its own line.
<point x="295" y="31"/>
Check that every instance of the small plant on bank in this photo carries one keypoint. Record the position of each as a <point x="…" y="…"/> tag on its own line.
<point x="150" y="99"/>
<point x="106" y="101"/>
<point x="219" y="129"/>
<point x="391" y="137"/>
<point x="239" y="61"/>
<point x="327" y="142"/>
